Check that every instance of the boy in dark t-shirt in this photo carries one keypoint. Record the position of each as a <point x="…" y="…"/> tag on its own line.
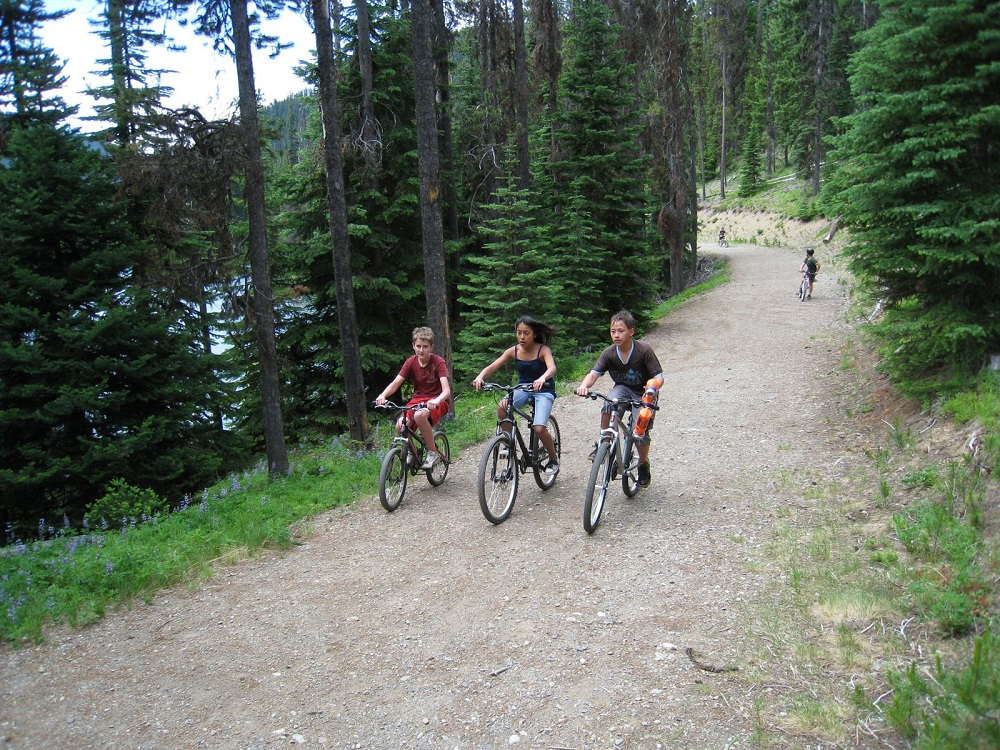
<point x="429" y="374"/>
<point x="630" y="364"/>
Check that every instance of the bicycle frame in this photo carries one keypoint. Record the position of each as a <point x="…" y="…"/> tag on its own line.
<point x="804" y="286"/>
<point x="411" y="438"/>
<point x="528" y="455"/>
<point x="507" y="455"/>
<point x="616" y="455"/>
<point x="405" y="457"/>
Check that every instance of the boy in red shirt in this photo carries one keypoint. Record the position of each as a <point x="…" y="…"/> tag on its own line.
<point x="429" y="374"/>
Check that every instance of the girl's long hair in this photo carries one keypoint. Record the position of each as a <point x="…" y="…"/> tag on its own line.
<point x="543" y="332"/>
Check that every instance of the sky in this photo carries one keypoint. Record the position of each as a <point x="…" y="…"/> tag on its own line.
<point x="201" y="78"/>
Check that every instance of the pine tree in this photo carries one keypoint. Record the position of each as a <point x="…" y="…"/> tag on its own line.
<point x="101" y="378"/>
<point x="599" y="171"/>
<point x="751" y="165"/>
<point x="919" y="183"/>
<point x="132" y="100"/>
<point x="30" y="73"/>
<point x="104" y="378"/>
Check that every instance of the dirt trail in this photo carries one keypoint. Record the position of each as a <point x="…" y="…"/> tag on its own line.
<point x="430" y="628"/>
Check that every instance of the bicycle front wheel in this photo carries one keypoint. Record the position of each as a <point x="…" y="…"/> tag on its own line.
<point x="597" y="487"/>
<point x="498" y="474"/>
<point x="392" y="478"/>
<point x="630" y="464"/>
<point x="543" y="480"/>
<point x="803" y="290"/>
<point x="436" y="475"/>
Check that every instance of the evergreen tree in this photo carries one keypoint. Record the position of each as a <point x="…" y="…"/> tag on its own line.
<point x="30" y="73"/>
<point x="919" y="183"/>
<point x="534" y="262"/>
<point x="599" y="171"/>
<point x="234" y="30"/>
<point x="101" y="378"/>
<point x="133" y="101"/>
<point x="104" y="377"/>
<point x="751" y="165"/>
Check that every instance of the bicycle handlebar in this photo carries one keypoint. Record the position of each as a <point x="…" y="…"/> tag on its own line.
<point x="400" y="407"/>
<point x="594" y="395"/>
<point x="508" y="388"/>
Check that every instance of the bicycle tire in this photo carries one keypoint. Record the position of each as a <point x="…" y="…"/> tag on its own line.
<point x="597" y="487"/>
<point x="392" y="479"/>
<point x="437" y="475"/>
<point x="630" y="463"/>
<point x="498" y="475"/>
<point x="543" y="480"/>
<point x="803" y="290"/>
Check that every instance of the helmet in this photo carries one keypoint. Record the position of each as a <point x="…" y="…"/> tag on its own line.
<point x="810" y="251"/>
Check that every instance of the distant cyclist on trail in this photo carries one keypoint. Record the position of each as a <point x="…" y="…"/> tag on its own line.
<point x="535" y="365"/>
<point x="810" y="266"/>
<point x="631" y="364"/>
<point x="722" y="238"/>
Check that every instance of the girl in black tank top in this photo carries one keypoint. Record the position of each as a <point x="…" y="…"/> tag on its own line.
<point x="533" y="360"/>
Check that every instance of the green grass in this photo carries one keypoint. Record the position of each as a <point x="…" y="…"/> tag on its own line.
<point x="721" y="276"/>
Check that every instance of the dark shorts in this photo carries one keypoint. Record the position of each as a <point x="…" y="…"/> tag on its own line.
<point x="624" y="392"/>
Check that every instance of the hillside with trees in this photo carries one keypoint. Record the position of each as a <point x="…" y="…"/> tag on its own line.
<point x="182" y="296"/>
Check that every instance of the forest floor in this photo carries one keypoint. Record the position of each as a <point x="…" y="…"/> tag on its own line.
<point x="673" y="626"/>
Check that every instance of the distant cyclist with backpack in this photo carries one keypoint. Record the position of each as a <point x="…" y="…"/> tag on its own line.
<point x="810" y="266"/>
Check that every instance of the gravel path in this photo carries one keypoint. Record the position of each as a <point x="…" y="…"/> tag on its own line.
<point x="431" y="628"/>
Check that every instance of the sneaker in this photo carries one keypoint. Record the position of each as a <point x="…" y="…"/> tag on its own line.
<point x="552" y="469"/>
<point x="432" y="458"/>
<point x="593" y="453"/>
<point x="644" y="477"/>
<point x="809" y="296"/>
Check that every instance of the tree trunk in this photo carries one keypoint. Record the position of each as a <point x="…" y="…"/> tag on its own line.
<point x="357" y="414"/>
<point x="435" y="281"/>
<point x="261" y="298"/>
<point x="521" y="97"/>
<point x="369" y="127"/>
<point x="442" y="55"/>
<point x="546" y="61"/>
<point x="489" y="161"/>
<point x="722" y="143"/>
<point x="669" y="92"/>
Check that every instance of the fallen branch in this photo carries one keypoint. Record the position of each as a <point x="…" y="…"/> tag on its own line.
<point x="708" y="667"/>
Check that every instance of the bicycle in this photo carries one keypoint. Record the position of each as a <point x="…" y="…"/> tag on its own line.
<point x="406" y="456"/>
<point x="804" y="287"/>
<point x="617" y="455"/>
<point x="507" y="456"/>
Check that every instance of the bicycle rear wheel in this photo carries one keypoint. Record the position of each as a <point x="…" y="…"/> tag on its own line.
<point x="803" y="290"/>
<point x="597" y="487"/>
<point x="498" y="475"/>
<point x="543" y="480"/>
<point x="630" y="463"/>
<point x="436" y="475"/>
<point x="392" y="478"/>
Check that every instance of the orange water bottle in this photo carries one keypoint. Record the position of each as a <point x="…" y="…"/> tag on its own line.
<point x="645" y="412"/>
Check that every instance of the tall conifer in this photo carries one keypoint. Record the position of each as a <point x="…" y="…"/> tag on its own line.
<point x="919" y="183"/>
